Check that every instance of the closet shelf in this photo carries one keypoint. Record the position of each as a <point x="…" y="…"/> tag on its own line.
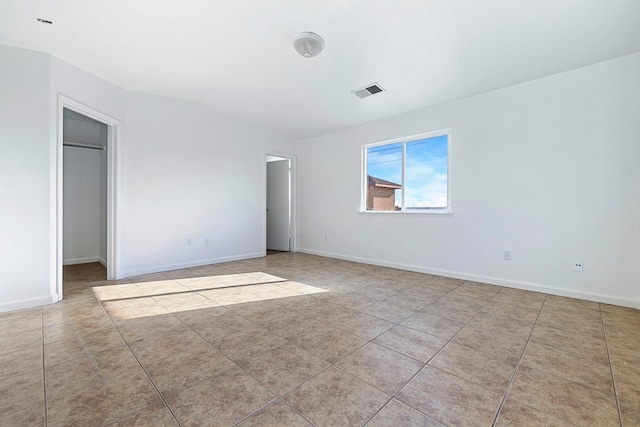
<point x="80" y="145"/>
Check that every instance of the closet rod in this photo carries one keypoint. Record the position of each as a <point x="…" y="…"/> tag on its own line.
<point x="79" y="145"/>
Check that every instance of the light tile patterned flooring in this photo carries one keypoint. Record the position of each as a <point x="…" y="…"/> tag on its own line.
<point x="295" y="339"/>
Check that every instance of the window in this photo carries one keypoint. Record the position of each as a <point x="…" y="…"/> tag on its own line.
<point x="408" y="175"/>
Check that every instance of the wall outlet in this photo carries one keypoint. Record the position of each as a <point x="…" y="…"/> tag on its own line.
<point x="506" y="255"/>
<point x="188" y="242"/>
<point x="207" y="242"/>
<point x="326" y="237"/>
<point x="578" y="266"/>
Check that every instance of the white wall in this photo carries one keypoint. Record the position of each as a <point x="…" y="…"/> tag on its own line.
<point x="83" y="130"/>
<point x="81" y="206"/>
<point x="24" y="178"/>
<point x="193" y="173"/>
<point x="185" y="171"/>
<point x="99" y="95"/>
<point x="547" y="169"/>
<point x="172" y="156"/>
<point x="84" y="186"/>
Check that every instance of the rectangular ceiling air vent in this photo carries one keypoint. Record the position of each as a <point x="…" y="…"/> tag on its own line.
<point x="368" y="90"/>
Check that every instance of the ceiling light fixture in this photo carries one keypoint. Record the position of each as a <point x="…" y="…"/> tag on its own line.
<point x="308" y="44"/>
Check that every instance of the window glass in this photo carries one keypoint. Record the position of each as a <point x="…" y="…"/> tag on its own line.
<point x="384" y="175"/>
<point x="426" y="174"/>
<point x="410" y="175"/>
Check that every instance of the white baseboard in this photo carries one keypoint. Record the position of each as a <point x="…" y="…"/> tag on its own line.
<point x="607" y="299"/>
<point x="102" y="261"/>
<point x="25" y="303"/>
<point x="80" y="260"/>
<point x="177" y="266"/>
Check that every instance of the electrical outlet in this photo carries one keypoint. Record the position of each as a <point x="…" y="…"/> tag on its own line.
<point x="326" y="237"/>
<point x="578" y="266"/>
<point x="506" y="255"/>
<point x="188" y="242"/>
<point x="207" y="242"/>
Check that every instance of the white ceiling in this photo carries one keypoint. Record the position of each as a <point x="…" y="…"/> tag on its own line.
<point x="237" y="55"/>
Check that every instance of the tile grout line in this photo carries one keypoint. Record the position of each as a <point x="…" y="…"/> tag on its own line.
<point x="391" y="397"/>
<point x="271" y="402"/>
<point x="44" y="376"/>
<point x="414" y="375"/>
<point x="537" y="369"/>
<point x="186" y="291"/>
<point x="515" y="372"/>
<point x="123" y="340"/>
<point x="425" y="363"/>
<point x="573" y="381"/>
<point x="317" y="374"/>
<point x="331" y="365"/>
<point x="613" y="379"/>
<point x="143" y="370"/>
<point x="112" y="422"/>
<point x="436" y="354"/>
<point x="281" y="399"/>
<point x="222" y="353"/>
<point x="296" y="411"/>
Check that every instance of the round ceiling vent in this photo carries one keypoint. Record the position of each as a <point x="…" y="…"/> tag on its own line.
<point x="308" y="44"/>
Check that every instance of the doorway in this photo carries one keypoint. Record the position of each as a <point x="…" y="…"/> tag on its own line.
<point x="84" y="190"/>
<point x="85" y="214"/>
<point x="279" y="209"/>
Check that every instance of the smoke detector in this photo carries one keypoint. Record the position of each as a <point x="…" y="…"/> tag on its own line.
<point x="308" y="44"/>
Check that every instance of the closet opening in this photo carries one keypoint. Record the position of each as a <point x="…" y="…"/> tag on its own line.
<point x="85" y="214"/>
<point x="84" y="190"/>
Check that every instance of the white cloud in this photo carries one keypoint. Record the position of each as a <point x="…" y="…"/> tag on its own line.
<point x="432" y="194"/>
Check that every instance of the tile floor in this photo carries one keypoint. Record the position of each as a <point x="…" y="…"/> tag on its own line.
<point x="295" y="339"/>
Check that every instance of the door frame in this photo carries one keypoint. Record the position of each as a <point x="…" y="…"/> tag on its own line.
<point x="292" y="195"/>
<point x="113" y="186"/>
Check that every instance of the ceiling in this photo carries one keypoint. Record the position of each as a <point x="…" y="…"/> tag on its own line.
<point x="237" y="56"/>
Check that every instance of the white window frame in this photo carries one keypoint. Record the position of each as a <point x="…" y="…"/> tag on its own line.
<point x="363" y="187"/>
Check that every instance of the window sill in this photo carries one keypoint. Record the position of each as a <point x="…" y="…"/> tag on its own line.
<point x="433" y="213"/>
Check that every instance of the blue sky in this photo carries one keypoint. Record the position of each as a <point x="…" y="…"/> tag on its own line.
<point x="426" y="173"/>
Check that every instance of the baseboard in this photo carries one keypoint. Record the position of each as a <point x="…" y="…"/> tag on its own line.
<point x="536" y="287"/>
<point x="177" y="266"/>
<point x="102" y="261"/>
<point x="25" y="303"/>
<point x="80" y="260"/>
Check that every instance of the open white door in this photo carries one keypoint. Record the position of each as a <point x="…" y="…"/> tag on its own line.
<point x="278" y="205"/>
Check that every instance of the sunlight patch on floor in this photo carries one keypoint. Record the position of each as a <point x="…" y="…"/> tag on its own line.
<point x="158" y="297"/>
